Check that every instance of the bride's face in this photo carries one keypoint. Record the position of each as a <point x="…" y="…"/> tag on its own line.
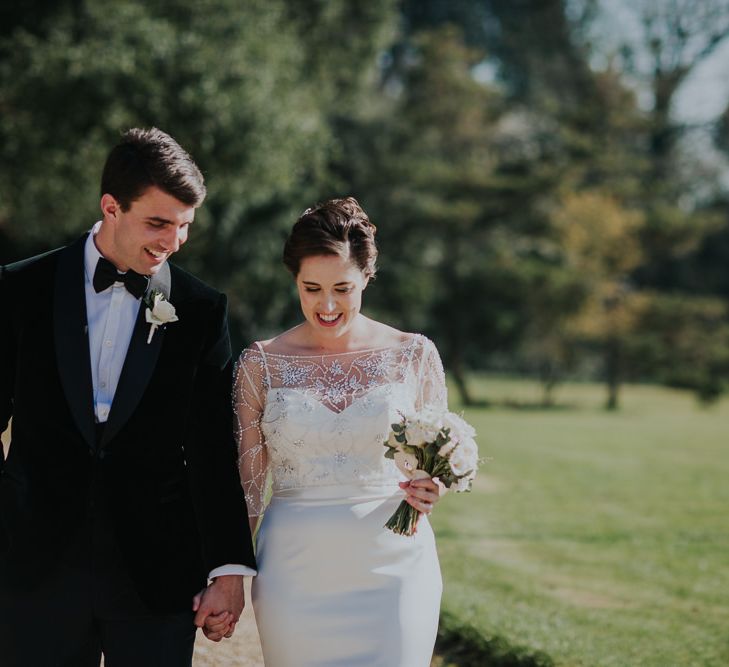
<point x="330" y="290"/>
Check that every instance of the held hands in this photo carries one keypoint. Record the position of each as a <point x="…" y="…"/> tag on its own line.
<point x="218" y="607"/>
<point x="423" y="494"/>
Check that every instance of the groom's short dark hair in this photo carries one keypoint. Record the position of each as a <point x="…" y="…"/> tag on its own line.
<point x="145" y="158"/>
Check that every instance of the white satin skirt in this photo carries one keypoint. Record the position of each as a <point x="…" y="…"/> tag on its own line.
<point x="337" y="589"/>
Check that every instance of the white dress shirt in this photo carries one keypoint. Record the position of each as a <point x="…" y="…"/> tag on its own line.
<point x="111" y="315"/>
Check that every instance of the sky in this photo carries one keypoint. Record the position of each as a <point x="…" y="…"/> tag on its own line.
<point x="705" y="93"/>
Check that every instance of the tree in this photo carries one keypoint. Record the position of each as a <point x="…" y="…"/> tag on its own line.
<point x="683" y="342"/>
<point x="678" y="36"/>
<point x="600" y="237"/>
<point x="672" y="38"/>
<point x="208" y="77"/>
<point x="460" y="190"/>
<point x="233" y="82"/>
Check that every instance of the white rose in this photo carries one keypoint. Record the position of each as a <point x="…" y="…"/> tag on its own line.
<point x="160" y="312"/>
<point x="422" y="429"/>
<point x="459" y="427"/>
<point x="415" y="434"/>
<point x="163" y="310"/>
<point x="464" y="457"/>
<point x="446" y="449"/>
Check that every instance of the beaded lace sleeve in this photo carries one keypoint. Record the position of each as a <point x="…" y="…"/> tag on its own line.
<point x="249" y="399"/>
<point x="432" y="392"/>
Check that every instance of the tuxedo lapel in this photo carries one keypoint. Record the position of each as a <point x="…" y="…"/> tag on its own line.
<point x="139" y="363"/>
<point x="71" y="337"/>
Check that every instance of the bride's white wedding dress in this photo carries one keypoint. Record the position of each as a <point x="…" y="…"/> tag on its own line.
<point x="334" y="587"/>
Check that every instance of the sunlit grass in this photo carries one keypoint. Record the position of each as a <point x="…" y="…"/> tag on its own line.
<point x="598" y="538"/>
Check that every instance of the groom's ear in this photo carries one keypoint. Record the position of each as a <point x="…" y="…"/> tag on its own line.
<point x="110" y="207"/>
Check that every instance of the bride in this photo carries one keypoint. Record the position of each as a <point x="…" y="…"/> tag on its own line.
<point x="314" y="407"/>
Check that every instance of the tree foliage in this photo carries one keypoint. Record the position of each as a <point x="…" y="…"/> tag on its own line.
<point x="232" y="82"/>
<point x="532" y="214"/>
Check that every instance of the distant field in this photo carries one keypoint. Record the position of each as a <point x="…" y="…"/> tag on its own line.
<point x="598" y="539"/>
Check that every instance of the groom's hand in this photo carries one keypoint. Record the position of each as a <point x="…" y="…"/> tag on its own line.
<point x="218" y="607"/>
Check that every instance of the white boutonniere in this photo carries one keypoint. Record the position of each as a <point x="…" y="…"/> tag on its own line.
<point x="159" y="312"/>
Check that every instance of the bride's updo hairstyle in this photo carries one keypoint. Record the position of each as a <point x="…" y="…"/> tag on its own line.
<point x="334" y="227"/>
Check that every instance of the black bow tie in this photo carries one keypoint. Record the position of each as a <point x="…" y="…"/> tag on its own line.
<point x="106" y="275"/>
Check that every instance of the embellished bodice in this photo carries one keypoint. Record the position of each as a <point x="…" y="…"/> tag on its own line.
<point x="308" y="421"/>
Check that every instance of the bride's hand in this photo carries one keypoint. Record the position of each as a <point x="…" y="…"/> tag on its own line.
<point x="422" y="494"/>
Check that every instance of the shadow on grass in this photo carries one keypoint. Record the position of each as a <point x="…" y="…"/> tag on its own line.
<point x="478" y="403"/>
<point x="515" y="404"/>
<point x="461" y="645"/>
<point x="540" y="406"/>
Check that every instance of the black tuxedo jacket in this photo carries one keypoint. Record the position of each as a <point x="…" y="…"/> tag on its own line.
<point x="167" y="459"/>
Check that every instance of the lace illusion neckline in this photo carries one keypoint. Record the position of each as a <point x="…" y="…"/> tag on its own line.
<point x="369" y="350"/>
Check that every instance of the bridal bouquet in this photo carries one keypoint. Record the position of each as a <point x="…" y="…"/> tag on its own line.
<point x="431" y="444"/>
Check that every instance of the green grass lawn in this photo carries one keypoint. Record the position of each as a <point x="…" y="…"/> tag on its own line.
<point x="595" y="538"/>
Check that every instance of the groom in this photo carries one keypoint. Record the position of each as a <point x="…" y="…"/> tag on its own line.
<point x="120" y="495"/>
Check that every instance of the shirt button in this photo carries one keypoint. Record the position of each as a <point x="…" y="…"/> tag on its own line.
<point x="107" y="343"/>
<point x="103" y="384"/>
<point x="104" y="412"/>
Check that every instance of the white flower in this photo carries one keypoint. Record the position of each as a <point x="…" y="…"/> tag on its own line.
<point x="408" y="466"/>
<point x="423" y="428"/>
<point x="415" y="434"/>
<point x="159" y="312"/>
<point x="446" y="449"/>
<point x="464" y="457"/>
<point x="459" y="427"/>
<point x="162" y="310"/>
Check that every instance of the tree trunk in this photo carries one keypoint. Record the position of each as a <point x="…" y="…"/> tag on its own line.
<point x="459" y="375"/>
<point x="612" y="371"/>
<point x="548" y="379"/>
<point x="548" y="393"/>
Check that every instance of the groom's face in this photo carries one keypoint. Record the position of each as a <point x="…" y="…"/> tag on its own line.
<point x="143" y="237"/>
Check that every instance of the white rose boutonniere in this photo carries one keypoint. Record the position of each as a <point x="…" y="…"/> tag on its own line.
<point x="159" y="312"/>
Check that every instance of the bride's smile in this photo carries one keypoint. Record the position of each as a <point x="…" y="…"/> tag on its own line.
<point x="328" y="320"/>
<point x="330" y="289"/>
